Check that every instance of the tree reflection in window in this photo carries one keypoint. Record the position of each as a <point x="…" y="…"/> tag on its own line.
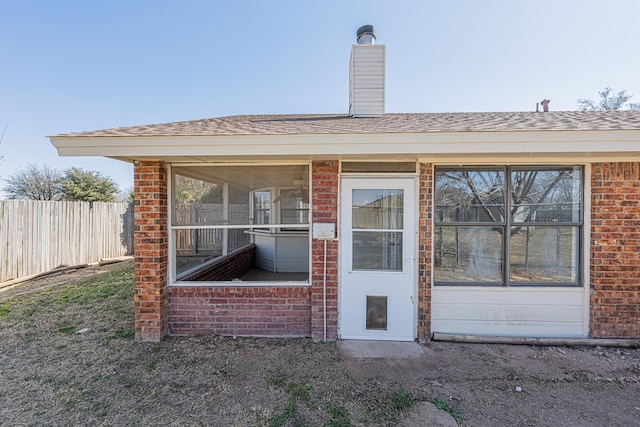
<point x="536" y="243"/>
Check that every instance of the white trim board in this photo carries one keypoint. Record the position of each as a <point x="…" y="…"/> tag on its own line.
<point x="437" y="143"/>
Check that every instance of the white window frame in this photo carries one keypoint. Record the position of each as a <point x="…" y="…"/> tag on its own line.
<point x="171" y="267"/>
<point x="581" y="223"/>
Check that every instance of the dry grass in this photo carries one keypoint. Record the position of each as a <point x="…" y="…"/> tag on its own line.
<point x="52" y="375"/>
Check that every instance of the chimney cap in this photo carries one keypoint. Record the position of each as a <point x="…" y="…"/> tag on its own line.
<point x="366" y="34"/>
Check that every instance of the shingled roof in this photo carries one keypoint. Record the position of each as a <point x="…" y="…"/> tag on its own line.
<point x="302" y="124"/>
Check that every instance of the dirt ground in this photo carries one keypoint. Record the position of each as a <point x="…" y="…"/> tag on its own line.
<point x="512" y="385"/>
<point x="53" y="375"/>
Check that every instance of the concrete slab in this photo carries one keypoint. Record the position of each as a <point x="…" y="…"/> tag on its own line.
<point x="394" y="359"/>
<point x="358" y="349"/>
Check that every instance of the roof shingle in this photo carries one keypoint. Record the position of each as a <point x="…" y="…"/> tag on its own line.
<point x="300" y="124"/>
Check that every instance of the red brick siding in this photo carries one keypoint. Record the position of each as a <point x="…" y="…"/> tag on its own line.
<point x="150" y="250"/>
<point x="282" y="311"/>
<point x="226" y="268"/>
<point x="615" y="250"/>
<point x="324" y="182"/>
<point x="425" y="226"/>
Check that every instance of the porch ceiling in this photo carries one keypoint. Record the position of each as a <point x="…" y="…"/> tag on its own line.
<point x="250" y="177"/>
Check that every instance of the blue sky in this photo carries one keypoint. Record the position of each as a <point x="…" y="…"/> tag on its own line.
<point x="82" y="65"/>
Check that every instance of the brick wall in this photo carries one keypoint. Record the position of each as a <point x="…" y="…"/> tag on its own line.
<point x="282" y="311"/>
<point x="324" y="182"/>
<point x="150" y="250"/>
<point x="229" y="267"/>
<point x="298" y="310"/>
<point x="615" y="250"/>
<point x="425" y="251"/>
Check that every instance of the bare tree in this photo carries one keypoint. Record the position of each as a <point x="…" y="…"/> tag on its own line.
<point x="507" y="201"/>
<point x="479" y="196"/>
<point x="2" y="138"/>
<point x="34" y="182"/>
<point x="608" y="101"/>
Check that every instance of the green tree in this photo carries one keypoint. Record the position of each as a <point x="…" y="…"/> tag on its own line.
<point x="608" y="101"/>
<point x="190" y="190"/>
<point x="35" y="182"/>
<point x="87" y="186"/>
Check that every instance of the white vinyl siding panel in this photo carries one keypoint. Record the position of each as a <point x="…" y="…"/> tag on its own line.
<point x="282" y="253"/>
<point x="293" y="254"/>
<point x="265" y="252"/>
<point x="366" y="81"/>
<point x="515" y="311"/>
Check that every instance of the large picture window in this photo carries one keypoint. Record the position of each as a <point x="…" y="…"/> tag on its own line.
<point x="506" y="226"/>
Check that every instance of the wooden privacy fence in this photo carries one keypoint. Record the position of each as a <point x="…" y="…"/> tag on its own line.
<point x="210" y="240"/>
<point x="39" y="236"/>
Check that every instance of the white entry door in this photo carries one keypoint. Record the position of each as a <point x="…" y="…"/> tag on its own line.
<point x="377" y="270"/>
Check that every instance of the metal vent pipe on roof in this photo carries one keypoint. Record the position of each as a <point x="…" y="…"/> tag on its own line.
<point x="366" y="34"/>
<point x="545" y="105"/>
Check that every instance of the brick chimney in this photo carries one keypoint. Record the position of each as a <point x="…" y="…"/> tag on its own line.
<point x="366" y="75"/>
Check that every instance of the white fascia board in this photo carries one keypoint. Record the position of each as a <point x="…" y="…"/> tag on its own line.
<point x="438" y="143"/>
<point x="528" y="158"/>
